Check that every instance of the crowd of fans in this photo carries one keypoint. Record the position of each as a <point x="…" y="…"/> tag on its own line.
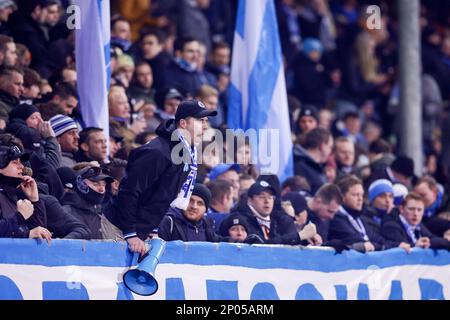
<point x="351" y="190"/>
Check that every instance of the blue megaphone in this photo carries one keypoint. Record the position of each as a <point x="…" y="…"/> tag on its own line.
<point x="142" y="279"/>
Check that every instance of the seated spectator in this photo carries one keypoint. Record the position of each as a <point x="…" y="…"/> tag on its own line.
<point x="190" y="224"/>
<point x="309" y="160"/>
<point x="11" y="89"/>
<point x="381" y="202"/>
<point x="221" y="201"/>
<point x="299" y="206"/>
<point x="31" y="83"/>
<point x="220" y="60"/>
<point x="272" y="226"/>
<point x="349" y="226"/>
<point x="66" y="132"/>
<point x="230" y="173"/>
<point x="22" y="213"/>
<point x="38" y="136"/>
<point x="235" y="227"/>
<point x="85" y="204"/>
<point x="408" y="227"/>
<point x="296" y="184"/>
<point x="92" y="146"/>
<point x="435" y="203"/>
<point x="321" y="209"/>
<point x="66" y="95"/>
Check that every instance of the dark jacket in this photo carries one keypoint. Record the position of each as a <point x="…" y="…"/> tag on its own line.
<point x="395" y="231"/>
<point x="177" y="77"/>
<point x="7" y="103"/>
<point x="342" y="229"/>
<point x="85" y="212"/>
<point x="308" y="168"/>
<point x="174" y="226"/>
<point x="158" y="65"/>
<point x="152" y="181"/>
<point x="12" y="223"/>
<point x="282" y="227"/>
<point x="47" y="149"/>
<point x="309" y="81"/>
<point x="61" y="223"/>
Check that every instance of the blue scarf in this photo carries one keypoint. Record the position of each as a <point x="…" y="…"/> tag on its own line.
<point x="432" y="210"/>
<point x="183" y="64"/>
<point x="183" y="197"/>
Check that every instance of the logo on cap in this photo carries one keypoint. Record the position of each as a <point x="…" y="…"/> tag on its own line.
<point x="235" y="221"/>
<point x="264" y="184"/>
<point x="201" y="105"/>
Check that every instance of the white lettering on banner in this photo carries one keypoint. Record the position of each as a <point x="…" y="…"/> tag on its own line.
<point x="102" y="282"/>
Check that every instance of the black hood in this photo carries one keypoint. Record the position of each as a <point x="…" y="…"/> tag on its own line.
<point x="302" y="155"/>
<point x="166" y="128"/>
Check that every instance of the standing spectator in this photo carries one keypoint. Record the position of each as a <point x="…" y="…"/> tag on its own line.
<point x="8" y="54"/>
<point x="210" y="97"/>
<point x="22" y="213"/>
<point x="66" y="132"/>
<point x="32" y="25"/>
<point x="309" y="161"/>
<point x="408" y="227"/>
<point x="220" y="60"/>
<point x="221" y="201"/>
<point x="6" y="8"/>
<point x="308" y="119"/>
<point x="145" y="195"/>
<point x="344" y="153"/>
<point x="11" y="89"/>
<point x="182" y="71"/>
<point x="31" y="83"/>
<point x="120" y="33"/>
<point x="66" y="95"/>
<point x="190" y="224"/>
<point x="309" y="74"/>
<point x="92" y="146"/>
<point x="85" y="204"/>
<point x="140" y="88"/>
<point x="151" y="47"/>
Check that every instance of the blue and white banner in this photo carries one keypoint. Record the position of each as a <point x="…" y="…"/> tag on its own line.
<point x="93" y="62"/>
<point x="77" y="269"/>
<point x="257" y="94"/>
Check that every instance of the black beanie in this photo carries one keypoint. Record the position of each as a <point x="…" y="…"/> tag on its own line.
<point x="22" y="111"/>
<point x="403" y="165"/>
<point x="298" y="201"/>
<point x="203" y="192"/>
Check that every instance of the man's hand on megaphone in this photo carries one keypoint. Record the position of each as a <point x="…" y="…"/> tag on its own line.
<point x="137" y="245"/>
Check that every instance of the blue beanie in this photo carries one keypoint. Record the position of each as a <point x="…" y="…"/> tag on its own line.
<point x="312" y="44"/>
<point x="378" y="187"/>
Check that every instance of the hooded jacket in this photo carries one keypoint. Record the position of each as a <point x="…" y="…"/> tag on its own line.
<point x="12" y="223"/>
<point x="175" y="226"/>
<point x="150" y="184"/>
<point x="308" y="168"/>
<point x="85" y="212"/>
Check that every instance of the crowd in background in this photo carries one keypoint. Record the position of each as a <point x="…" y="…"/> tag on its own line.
<point x="352" y="188"/>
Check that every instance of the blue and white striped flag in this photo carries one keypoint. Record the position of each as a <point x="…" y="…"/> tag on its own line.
<point x="257" y="94"/>
<point x="93" y="62"/>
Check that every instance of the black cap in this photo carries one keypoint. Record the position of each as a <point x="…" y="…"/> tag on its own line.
<point x="203" y="192"/>
<point x="96" y="174"/>
<point x="259" y="187"/>
<point x="68" y="177"/>
<point x="298" y="202"/>
<point x="193" y="108"/>
<point x="233" y="219"/>
<point x="7" y="154"/>
<point x="173" y="93"/>
<point x="403" y="165"/>
<point x="309" y="110"/>
<point x="22" y="111"/>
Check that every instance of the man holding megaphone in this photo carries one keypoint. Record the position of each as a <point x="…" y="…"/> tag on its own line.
<point x="154" y="178"/>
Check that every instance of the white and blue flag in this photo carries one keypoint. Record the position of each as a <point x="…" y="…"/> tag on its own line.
<point x="257" y="94"/>
<point x="93" y="62"/>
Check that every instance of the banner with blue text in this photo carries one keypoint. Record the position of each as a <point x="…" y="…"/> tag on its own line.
<point x="76" y="269"/>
